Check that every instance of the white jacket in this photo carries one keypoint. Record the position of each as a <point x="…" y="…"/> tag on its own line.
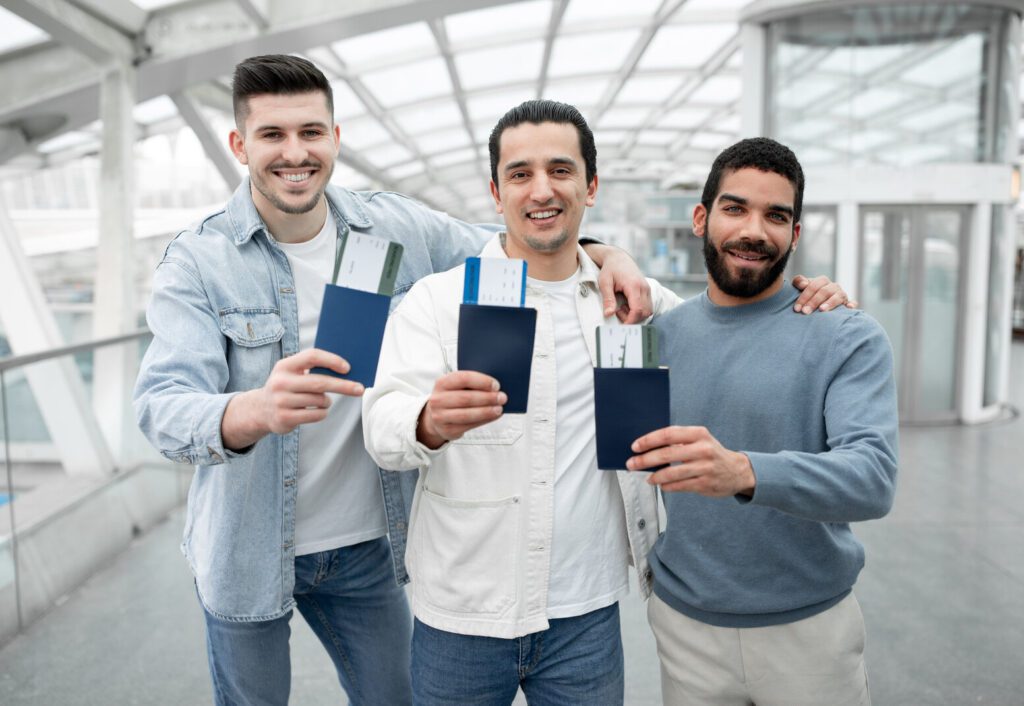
<point x="482" y="519"/>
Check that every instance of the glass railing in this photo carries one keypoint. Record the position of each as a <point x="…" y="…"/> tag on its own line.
<point x="78" y="479"/>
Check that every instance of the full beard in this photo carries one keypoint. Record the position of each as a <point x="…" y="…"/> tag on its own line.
<point x="746" y="283"/>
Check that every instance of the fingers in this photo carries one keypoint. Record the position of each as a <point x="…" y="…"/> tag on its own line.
<point x="313" y="358"/>
<point x="629" y="299"/>
<point x="667" y="436"/>
<point x="289" y="381"/>
<point x="606" y="285"/>
<point x="852" y="304"/>
<point x="820" y="293"/>
<point x="466" y="380"/>
<point x="638" y="297"/>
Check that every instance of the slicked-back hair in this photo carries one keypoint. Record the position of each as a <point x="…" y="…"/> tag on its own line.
<point x="761" y="153"/>
<point x="276" y="74"/>
<point x="545" y="111"/>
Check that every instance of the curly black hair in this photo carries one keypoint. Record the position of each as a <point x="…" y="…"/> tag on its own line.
<point x="761" y="153"/>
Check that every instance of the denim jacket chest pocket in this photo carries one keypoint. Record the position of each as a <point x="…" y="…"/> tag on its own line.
<point x="254" y="344"/>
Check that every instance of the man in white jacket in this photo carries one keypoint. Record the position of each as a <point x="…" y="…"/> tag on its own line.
<point x="519" y="546"/>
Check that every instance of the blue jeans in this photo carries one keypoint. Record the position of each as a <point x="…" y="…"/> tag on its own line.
<point x="575" y="661"/>
<point x="350" y="599"/>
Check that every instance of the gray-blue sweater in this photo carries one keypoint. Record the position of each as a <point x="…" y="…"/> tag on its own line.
<point x="812" y="401"/>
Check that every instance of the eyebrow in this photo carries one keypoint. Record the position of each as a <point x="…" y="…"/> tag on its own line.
<point x="315" y="123"/>
<point x="520" y="163"/>
<point x="743" y="202"/>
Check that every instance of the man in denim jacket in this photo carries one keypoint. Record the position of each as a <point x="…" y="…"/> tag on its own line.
<point x="284" y="511"/>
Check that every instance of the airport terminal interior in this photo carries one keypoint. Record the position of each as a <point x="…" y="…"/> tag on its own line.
<point x="906" y="116"/>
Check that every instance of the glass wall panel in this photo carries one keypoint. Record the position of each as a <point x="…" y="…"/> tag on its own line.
<point x="893" y="84"/>
<point x="936" y="391"/>
<point x="816" y="251"/>
<point x="885" y="251"/>
<point x="911" y="273"/>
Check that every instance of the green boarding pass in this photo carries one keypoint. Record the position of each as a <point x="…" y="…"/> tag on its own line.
<point x="627" y="346"/>
<point x="367" y="263"/>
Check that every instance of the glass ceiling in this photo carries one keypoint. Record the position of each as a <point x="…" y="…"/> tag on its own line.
<point x="659" y="80"/>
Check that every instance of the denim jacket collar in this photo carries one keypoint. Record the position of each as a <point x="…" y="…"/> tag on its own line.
<point x="246" y="220"/>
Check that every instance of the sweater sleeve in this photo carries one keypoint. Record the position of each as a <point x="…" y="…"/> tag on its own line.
<point x="855" y="479"/>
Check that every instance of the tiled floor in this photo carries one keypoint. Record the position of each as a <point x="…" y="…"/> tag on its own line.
<point x="942" y="594"/>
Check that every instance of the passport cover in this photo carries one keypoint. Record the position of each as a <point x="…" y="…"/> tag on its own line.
<point x="352" y="325"/>
<point x="498" y="341"/>
<point x="628" y="403"/>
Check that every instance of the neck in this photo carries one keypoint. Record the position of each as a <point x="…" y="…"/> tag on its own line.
<point x="720" y="298"/>
<point x="291" y="227"/>
<point x="553" y="266"/>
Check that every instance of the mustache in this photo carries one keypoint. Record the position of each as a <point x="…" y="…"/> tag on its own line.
<point x="311" y="163"/>
<point x="755" y="248"/>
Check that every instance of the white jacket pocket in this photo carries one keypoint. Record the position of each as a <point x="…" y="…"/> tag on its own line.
<point x="464" y="557"/>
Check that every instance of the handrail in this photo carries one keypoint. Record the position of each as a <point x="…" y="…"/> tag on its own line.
<point x="17" y="361"/>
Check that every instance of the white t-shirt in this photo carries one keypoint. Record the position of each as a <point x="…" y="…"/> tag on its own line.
<point x="590" y="549"/>
<point x="339" y="496"/>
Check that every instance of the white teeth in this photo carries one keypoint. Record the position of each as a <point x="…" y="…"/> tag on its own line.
<point x="297" y="177"/>
<point x="543" y="214"/>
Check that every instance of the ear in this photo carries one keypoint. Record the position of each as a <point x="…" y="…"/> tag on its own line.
<point x="337" y="139"/>
<point x="796" y="237"/>
<point x="236" y="141"/>
<point x="497" y="197"/>
<point x="592" y="191"/>
<point x="700" y="220"/>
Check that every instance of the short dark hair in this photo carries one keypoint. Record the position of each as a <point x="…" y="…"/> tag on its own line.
<point x="277" y="74"/>
<point x="544" y="111"/>
<point x="761" y="153"/>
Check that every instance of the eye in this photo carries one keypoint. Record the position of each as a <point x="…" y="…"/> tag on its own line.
<point x="517" y="176"/>
<point x="732" y="208"/>
<point x="312" y="133"/>
<point x="779" y="217"/>
<point x="271" y="135"/>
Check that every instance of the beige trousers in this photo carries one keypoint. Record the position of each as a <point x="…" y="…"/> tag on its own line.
<point x="818" y="661"/>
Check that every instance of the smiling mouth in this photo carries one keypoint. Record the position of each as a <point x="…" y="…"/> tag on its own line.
<point x="543" y="215"/>
<point x="293" y="176"/>
<point x="747" y="256"/>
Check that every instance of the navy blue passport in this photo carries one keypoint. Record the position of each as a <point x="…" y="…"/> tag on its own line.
<point x="628" y="403"/>
<point x="498" y="341"/>
<point x="352" y="325"/>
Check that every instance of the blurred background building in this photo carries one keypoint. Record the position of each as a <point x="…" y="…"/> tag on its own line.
<point x="114" y="116"/>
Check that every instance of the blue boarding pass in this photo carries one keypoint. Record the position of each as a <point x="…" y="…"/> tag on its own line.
<point x="495" y="281"/>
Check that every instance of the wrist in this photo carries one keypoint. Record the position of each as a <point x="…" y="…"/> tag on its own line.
<point x="426" y="434"/>
<point x="241" y="426"/>
<point x="747" y="478"/>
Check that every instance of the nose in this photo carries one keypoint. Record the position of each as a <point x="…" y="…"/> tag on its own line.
<point x="755" y="228"/>
<point x="541" y="191"/>
<point x="293" y="150"/>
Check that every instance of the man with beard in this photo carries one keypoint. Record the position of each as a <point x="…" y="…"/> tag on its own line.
<point x="286" y="508"/>
<point x="785" y="432"/>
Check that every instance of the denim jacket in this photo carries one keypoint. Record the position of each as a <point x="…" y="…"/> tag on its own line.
<point x="223" y="312"/>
